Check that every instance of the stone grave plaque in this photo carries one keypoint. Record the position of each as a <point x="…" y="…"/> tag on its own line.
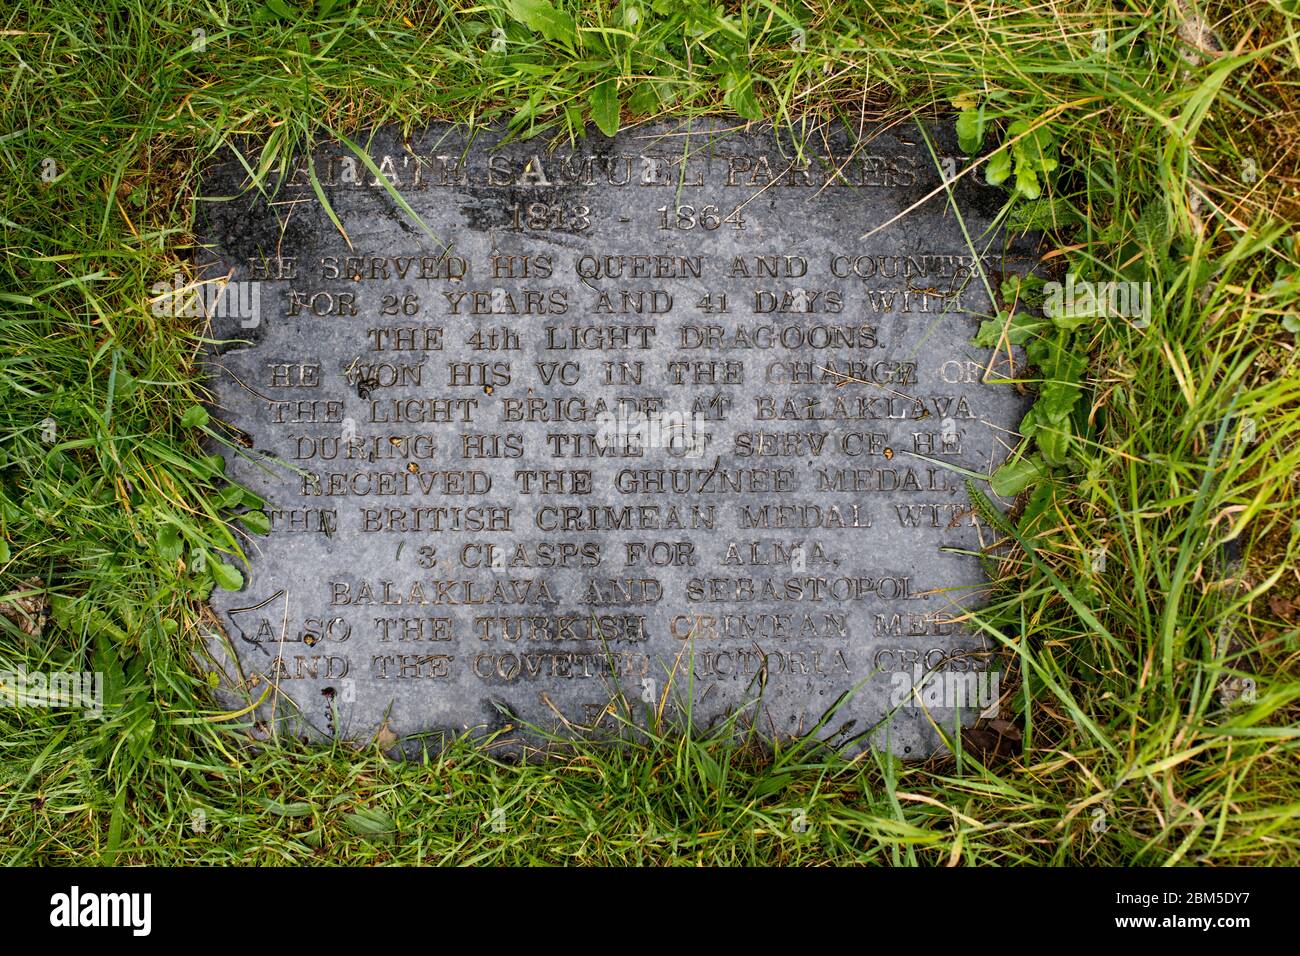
<point x="555" y="434"/>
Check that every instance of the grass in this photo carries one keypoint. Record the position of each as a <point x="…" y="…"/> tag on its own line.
<point x="1174" y="448"/>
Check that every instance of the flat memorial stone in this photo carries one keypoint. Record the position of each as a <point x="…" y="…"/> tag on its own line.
<point x="567" y="434"/>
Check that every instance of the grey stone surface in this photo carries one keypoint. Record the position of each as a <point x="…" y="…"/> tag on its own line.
<point x="467" y="535"/>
